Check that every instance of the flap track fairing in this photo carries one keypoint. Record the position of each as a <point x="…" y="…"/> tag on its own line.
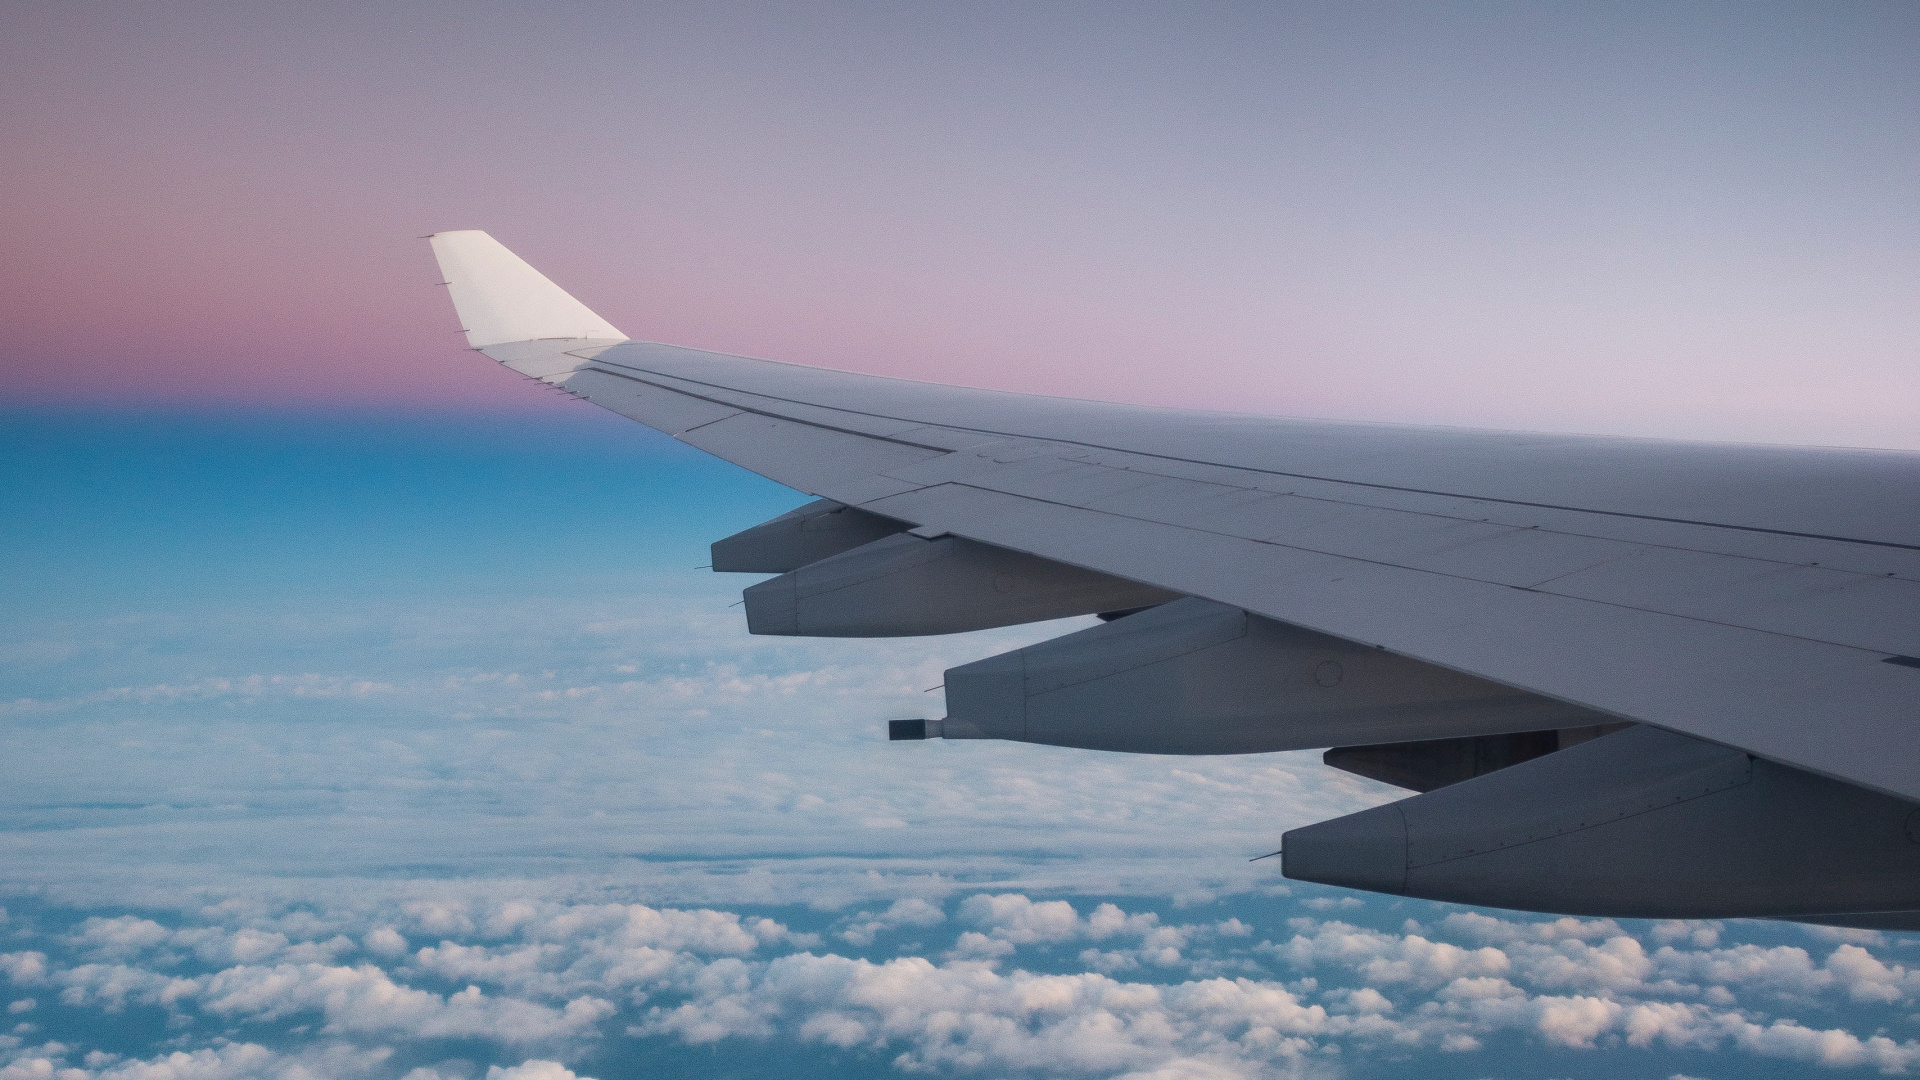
<point x="1198" y="677"/>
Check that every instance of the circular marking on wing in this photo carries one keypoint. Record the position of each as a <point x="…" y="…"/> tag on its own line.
<point x="1329" y="673"/>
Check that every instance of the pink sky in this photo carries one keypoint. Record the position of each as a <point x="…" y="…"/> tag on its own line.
<point x="1658" y="220"/>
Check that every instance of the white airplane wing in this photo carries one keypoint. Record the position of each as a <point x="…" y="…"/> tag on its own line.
<point x="1457" y="586"/>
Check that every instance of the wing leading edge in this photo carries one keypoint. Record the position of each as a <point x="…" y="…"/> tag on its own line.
<point x="1748" y="596"/>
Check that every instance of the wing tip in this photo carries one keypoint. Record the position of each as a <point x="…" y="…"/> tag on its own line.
<point x="500" y="298"/>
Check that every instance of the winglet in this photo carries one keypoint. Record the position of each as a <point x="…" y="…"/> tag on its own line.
<point x="501" y="299"/>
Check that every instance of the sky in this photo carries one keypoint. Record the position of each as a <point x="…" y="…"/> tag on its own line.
<point x="1682" y="219"/>
<point x="367" y="711"/>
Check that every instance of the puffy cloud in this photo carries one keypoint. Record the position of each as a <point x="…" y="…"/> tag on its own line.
<point x="636" y="925"/>
<point x="538" y="972"/>
<point x="1790" y="971"/>
<point x="1779" y="969"/>
<point x="1617" y="974"/>
<point x="128" y="936"/>
<point x="1696" y="1027"/>
<point x="1506" y="931"/>
<point x="533" y="1070"/>
<point x="1010" y="920"/>
<point x="122" y="936"/>
<point x="523" y="967"/>
<point x="229" y="1061"/>
<point x="1575" y="1021"/>
<point x="906" y="911"/>
<point x="243" y="946"/>
<point x="385" y="941"/>
<point x="366" y="999"/>
<point x="1368" y="1000"/>
<point x="1019" y="920"/>
<point x="1866" y="978"/>
<point x="26" y="968"/>
<point x="1699" y="933"/>
<point x="1382" y="958"/>
<point x="503" y="962"/>
<point x="1618" y="963"/>
<point x="604" y="948"/>
<point x="1831" y="1047"/>
<point x="111" y="986"/>
<point x="439" y="916"/>
<point x="970" y="1017"/>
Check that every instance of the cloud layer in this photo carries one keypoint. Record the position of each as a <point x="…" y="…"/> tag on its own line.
<point x="633" y="739"/>
<point x="446" y="831"/>
<point x="980" y="983"/>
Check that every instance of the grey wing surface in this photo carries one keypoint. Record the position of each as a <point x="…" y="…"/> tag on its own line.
<point x="1429" y="585"/>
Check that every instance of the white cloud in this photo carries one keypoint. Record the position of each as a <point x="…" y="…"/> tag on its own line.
<point x="229" y="1061"/>
<point x="604" y="948"/>
<point x="966" y="1016"/>
<point x="1383" y="959"/>
<point x="26" y="968"/>
<point x="1866" y="978"/>
<point x="366" y="999"/>
<point x="1846" y="934"/>
<point x="1703" y="934"/>
<point x="111" y="986"/>
<point x="549" y="974"/>
<point x="637" y="925"/>
<point x="385" y="941"/>
<point x="1575" y="1021"/>
<point x="439" y="916"/>
<point x="1010" y="920"/>
<point x="1695" y="1027"/>
<point x="533" y="1070"/>
<point x="1779" y="969"/>
<point x="1618" y="963"/>
<point x="127" y="936"/>
<point x="476" y="766"/>
<point x="1019" y="920"/>
<point x="541" y="773"/>
<point x="1790" y="970"/>
<point x="906" y="911"/>
<point x="122" y="936"/>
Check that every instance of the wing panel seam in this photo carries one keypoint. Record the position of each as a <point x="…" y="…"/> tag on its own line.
<point x="1424" y="570"/>
<point x="750" y="410"/>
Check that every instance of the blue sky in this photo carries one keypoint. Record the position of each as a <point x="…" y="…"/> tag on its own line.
<point x="388" y="746"/>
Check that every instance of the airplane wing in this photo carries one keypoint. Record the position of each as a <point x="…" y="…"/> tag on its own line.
<point x="1455" y="611"/>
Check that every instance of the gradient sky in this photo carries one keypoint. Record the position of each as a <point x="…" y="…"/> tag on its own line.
<point x="1696" y="219"/>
